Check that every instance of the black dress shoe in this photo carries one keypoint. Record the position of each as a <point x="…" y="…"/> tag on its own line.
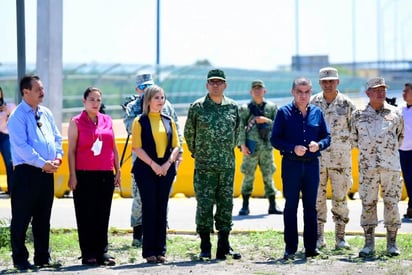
<point x="48" y="265"/>
<point x="24" y="266"/>
<point x="313" y="253"/>
<point x="275" y="211"/>
<point x="408" y="214"/>
<point x="288" y="256"/>
<point x="204" y="256"/>
<point x="231" y="253"/>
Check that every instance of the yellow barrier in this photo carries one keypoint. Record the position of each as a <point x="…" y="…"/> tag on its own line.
<point x="184" y="180"/>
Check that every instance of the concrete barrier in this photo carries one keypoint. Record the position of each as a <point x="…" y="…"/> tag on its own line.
<point x="183" y="185"/>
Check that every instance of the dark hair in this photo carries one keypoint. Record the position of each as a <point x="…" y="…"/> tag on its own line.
<point x="301" y="81"/>
<point x="407" y="85"/>
<point x="26" y="82"/>
<point x="89" y="90"/>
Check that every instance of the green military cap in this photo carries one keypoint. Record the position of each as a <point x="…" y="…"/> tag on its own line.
<point x="216" y="74"/>
<point x="257" y="83"/>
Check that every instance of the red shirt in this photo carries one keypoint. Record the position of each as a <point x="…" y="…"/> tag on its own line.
<point x="88" y="132"/>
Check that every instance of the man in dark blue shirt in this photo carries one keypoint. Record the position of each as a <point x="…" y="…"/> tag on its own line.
<point x="300" y="132"/>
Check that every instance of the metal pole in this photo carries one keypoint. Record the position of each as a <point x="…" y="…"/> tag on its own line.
<point x="297" y="34"/>
<point x="353" y="38"/>
<point x="378" y="31"/>
<point x="21" y="44"/>
<point x="157" y="37"/>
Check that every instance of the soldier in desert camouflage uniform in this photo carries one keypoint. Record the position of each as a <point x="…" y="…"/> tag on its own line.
<point x="256" y="120"/>
<point x="132" y="110"/>
<point x="211" y="131"/>
<point x="336" y="160"/>
<point x="377" y="131"/>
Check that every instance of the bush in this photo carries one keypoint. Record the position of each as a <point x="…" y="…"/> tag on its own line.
<point x="5" y="233"/>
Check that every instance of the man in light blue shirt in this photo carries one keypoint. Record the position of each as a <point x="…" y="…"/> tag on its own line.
<point x="36" y="148"/>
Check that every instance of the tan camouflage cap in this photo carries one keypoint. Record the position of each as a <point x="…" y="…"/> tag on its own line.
<point x="328" y="73"/>
<point x="376" y="82"/>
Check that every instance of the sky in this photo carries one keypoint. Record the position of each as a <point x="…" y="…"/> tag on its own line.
<point x="259" y="34"/>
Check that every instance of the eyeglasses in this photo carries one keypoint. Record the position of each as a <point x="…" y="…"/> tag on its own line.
<point x="215" y="82"/>
<point x="143" y="86"/>
<point x="37" y="117"/>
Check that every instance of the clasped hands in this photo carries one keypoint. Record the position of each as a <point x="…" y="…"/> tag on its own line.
<point x="300" y="150"/>
<point x="51" y="166"/>
<point x="160" y="170"/>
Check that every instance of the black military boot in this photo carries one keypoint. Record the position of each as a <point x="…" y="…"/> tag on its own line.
<point x="273" y="209"/>
<point x="245" y="206"/>
<point x="223" y="247"/>
<point x="137" y="236"/>
<point x="205" y="246"/>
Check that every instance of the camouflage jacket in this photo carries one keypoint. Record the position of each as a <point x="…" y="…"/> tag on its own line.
<point x="211" y="132"/>
<point x="338" y="116"/>
<point x="246" y="118"/>
<point x="378" y="135"/>
<point x="133" y="109"/>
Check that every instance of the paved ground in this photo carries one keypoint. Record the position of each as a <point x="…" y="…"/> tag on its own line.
<point x="182" y="215"/>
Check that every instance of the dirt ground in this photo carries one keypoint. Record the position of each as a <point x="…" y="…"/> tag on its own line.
<point x="247" y="265"/>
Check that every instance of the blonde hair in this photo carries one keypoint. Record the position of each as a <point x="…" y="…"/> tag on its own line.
<point x="149" y="93"/>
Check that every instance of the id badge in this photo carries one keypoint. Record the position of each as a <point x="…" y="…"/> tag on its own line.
<point x="97" y="147"/>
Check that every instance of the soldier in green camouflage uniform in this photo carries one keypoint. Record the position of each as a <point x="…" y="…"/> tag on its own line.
<point x="211" y="131"/>
<point x="336" y="160"/>
<point x="256" y="120"/>
<point x="377" y="130"/>
<point x="132" y="109"/>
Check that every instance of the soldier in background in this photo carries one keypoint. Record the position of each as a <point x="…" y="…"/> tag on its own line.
<point x="377" y="131"/>
<point x="336" y="160"/>
<point x="132" y="109"/>
<point x="211" y="132"/>
<point x="256" y="121"/>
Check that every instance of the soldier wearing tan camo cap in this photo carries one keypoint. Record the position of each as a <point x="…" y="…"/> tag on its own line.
<point x="377" y="131"/>
<point x="336" y="160"/>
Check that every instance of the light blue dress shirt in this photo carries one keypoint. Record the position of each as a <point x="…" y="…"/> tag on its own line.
<point x="33" y="142"/>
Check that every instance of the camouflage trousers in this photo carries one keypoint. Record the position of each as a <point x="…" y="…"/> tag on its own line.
<point x="391" y="189"/>
<point x="341" y="182"/>
<point x="214" y="187"/>
<point x="263" y="158"/>
<point x="136" y="214"/>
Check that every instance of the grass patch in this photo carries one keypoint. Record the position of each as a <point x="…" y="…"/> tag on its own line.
<point x="255" y="247"/>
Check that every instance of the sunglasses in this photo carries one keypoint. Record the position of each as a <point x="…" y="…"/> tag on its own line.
<point x="143" y="86"/>
<point x="37" y="117"/>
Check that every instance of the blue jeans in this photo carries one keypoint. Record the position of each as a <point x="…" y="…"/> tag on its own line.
<point x="5" y="152"/>
<point x="406" y="165"/>
<point x="300" y="178"/>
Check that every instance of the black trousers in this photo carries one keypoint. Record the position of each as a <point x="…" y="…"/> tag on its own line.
<point x="31" y="200"/>
<point x="154" y="193"/>
<point x="92" y="202"/>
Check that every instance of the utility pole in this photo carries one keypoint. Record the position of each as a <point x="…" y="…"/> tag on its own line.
<point x="21" y="45"/>
<point x="158" y="38"/>
<point x="297" y="60"/>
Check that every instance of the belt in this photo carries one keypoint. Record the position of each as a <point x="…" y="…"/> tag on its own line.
<point x="300" y="159"/>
